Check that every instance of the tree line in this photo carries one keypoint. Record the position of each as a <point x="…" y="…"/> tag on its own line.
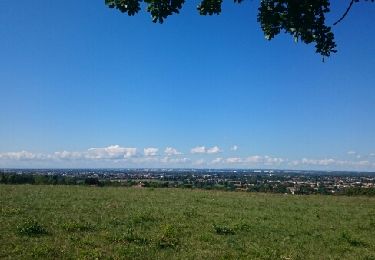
<point x="45" y="179"/>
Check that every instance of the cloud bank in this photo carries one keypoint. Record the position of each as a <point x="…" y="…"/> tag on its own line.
<point x="201" y="157"/>
<point x="171" y="151"/>
<point x="204" y="150"/>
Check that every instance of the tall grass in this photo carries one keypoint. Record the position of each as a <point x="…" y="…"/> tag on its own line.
<point x="50" y="222"/>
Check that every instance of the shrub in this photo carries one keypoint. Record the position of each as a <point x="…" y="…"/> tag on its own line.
<point x="31" y="228"/>
<point x="92" y="181"/>
<point x="223" y="230"/>
<point x="168" y="238"/>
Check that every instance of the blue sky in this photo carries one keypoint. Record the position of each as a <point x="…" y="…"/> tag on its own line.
<point x="82" y="85"/>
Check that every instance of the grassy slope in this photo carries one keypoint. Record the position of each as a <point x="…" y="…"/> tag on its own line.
<point x="90" y="222"/>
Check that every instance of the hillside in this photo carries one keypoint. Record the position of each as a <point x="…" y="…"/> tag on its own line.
<point x="120" y="223"/>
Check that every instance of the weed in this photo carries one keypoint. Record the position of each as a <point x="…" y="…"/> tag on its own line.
<point x="132" y="237"/>
<point x="31" y="228"/>
<point x="190" y="213"/>
<point x="168" y="238"/>
<point x="243" y="227"/>
<point x="352" y="241"/>
<point x="223" y="230"/>
<point x="114" y="221"/>
<point x="143" y="218"/>
<point x="9" y="211"/>
<point x="92" y="254"/>
<point x="74" y="226"/>
<point x="43" y="251"/>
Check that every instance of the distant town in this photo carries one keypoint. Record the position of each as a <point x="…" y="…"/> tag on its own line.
<point x="254" y="180"/>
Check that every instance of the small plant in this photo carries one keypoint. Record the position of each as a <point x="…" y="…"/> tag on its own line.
<point x="9" y="211"/>
<point x="44" y="251"/>
<point x="223" y="230"/>
<point x="168" y="238"/>
<point x="352" y="241"/>
<point x="73" y="226"/>
<point x="190" y="213"/>
<point x="132" y="237"/>
<point x="142" y="218"/>
<point x="243" y="227"/>
<point x="31" y="228"/>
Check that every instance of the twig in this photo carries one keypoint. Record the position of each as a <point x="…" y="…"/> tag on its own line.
<point x="346" y="13"/>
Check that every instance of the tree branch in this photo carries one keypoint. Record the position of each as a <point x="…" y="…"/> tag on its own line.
<point x="345" y="14"/>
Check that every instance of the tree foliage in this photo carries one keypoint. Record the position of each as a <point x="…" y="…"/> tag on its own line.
<point x="304" y="20"/>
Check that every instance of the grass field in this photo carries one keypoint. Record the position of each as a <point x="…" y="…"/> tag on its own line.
<point x="73" y="222"/>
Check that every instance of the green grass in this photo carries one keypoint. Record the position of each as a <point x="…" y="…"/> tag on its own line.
<point x="73" y="222"/>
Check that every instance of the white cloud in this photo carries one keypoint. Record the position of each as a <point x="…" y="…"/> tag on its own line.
<point x="254" y="159"/>
<point x="326" y="161"/>
<point x="364" y="163"/>
<point x="213" y="150"/>
<point x="273" y="160"/>
<point x="180" y="160"/>
<point x="234" y="160"/>
<point x="234" y="148"/>
<point x="372" y="154"/>
<point x="199" y="162"/>
<point x="203" y="149"/>
<point x="354" y="153"/>
<point x="250" y="161"/>
<point x="171" y="151"/>
<point x="122" y="156"/>
<point x="294" y="163"/>
<point x="145" y="159"/>
<point x="198" y="149"/>
<point x="65" y="155"/>
<point x="323" y="162"/>
<point x="111" y="152"/>
<point x="23" y="155"/>
<point x="265" y="160"/>
<point x="332" y="162"/>
<point x="151" y="151"/>
<point x="171" y="160"/>
<point x="217" y="160"/>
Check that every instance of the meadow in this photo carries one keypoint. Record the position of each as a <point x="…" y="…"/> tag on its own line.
<point x="80" y="222"/>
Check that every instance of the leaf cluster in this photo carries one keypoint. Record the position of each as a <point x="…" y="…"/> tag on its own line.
<point x="161" y="9"/>
<point x="303" y="19"/>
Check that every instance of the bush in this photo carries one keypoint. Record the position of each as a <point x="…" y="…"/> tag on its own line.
<point x="31" y="228"/>
<point x="168" y="238"/>
<point x="92" y="181"/>
<point x="223" y="230"/>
